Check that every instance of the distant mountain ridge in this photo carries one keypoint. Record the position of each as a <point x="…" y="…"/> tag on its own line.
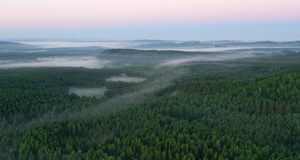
<point x="222" y="43"/>
<point x="5" y="42"/>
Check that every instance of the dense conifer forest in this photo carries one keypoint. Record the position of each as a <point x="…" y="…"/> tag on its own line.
<point x="238" y="109"/>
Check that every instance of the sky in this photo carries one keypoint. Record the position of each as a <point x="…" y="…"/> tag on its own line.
<point x="277" y="20"/>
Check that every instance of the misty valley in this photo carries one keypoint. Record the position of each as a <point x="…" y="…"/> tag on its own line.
<point x="149" y="99"/>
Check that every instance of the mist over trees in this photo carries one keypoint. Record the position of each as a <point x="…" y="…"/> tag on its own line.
<point x="244" y="108"/>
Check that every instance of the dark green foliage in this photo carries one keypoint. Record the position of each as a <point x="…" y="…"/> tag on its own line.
<point x="279" y="95"/>
<point x="27" y="93"/>
<point x="118" y="88"/>
<point x="231" y="111"/>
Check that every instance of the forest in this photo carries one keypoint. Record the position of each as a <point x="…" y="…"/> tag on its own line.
<point x="246" y="108"/>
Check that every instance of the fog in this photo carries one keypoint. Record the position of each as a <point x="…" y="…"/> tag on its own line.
<point x="113" y="61"/>
<point x="125" y="78"/>
<point x="146" y="91"/>
<point x="212" y="57"/>
<point x="87" y="62"/>
<point x="134" y="45"/>
<point x="89" y="92"/>
<point x="70" y="57"/>
<point x="215" y="49"/>
<point x="82" y="44"/>
<point x="161" y="77"/>
<point x="74" y="57"/>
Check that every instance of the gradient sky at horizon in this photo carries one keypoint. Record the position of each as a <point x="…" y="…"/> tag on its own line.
<point x="151" y="19"/>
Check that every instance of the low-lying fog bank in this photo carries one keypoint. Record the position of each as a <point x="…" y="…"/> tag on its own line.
<point x="215" y="49"/>
<point x="118" y="58"/>
<point x="125" y="78"/>
<point x="82" y="44"/>
<point x="87" y="62"/>
<point x="88" y="92"/>
<point x="136" y="45"/>
<point x="213" y="57"/>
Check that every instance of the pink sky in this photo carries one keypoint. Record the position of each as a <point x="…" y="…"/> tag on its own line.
<point x="45" y="14"/>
